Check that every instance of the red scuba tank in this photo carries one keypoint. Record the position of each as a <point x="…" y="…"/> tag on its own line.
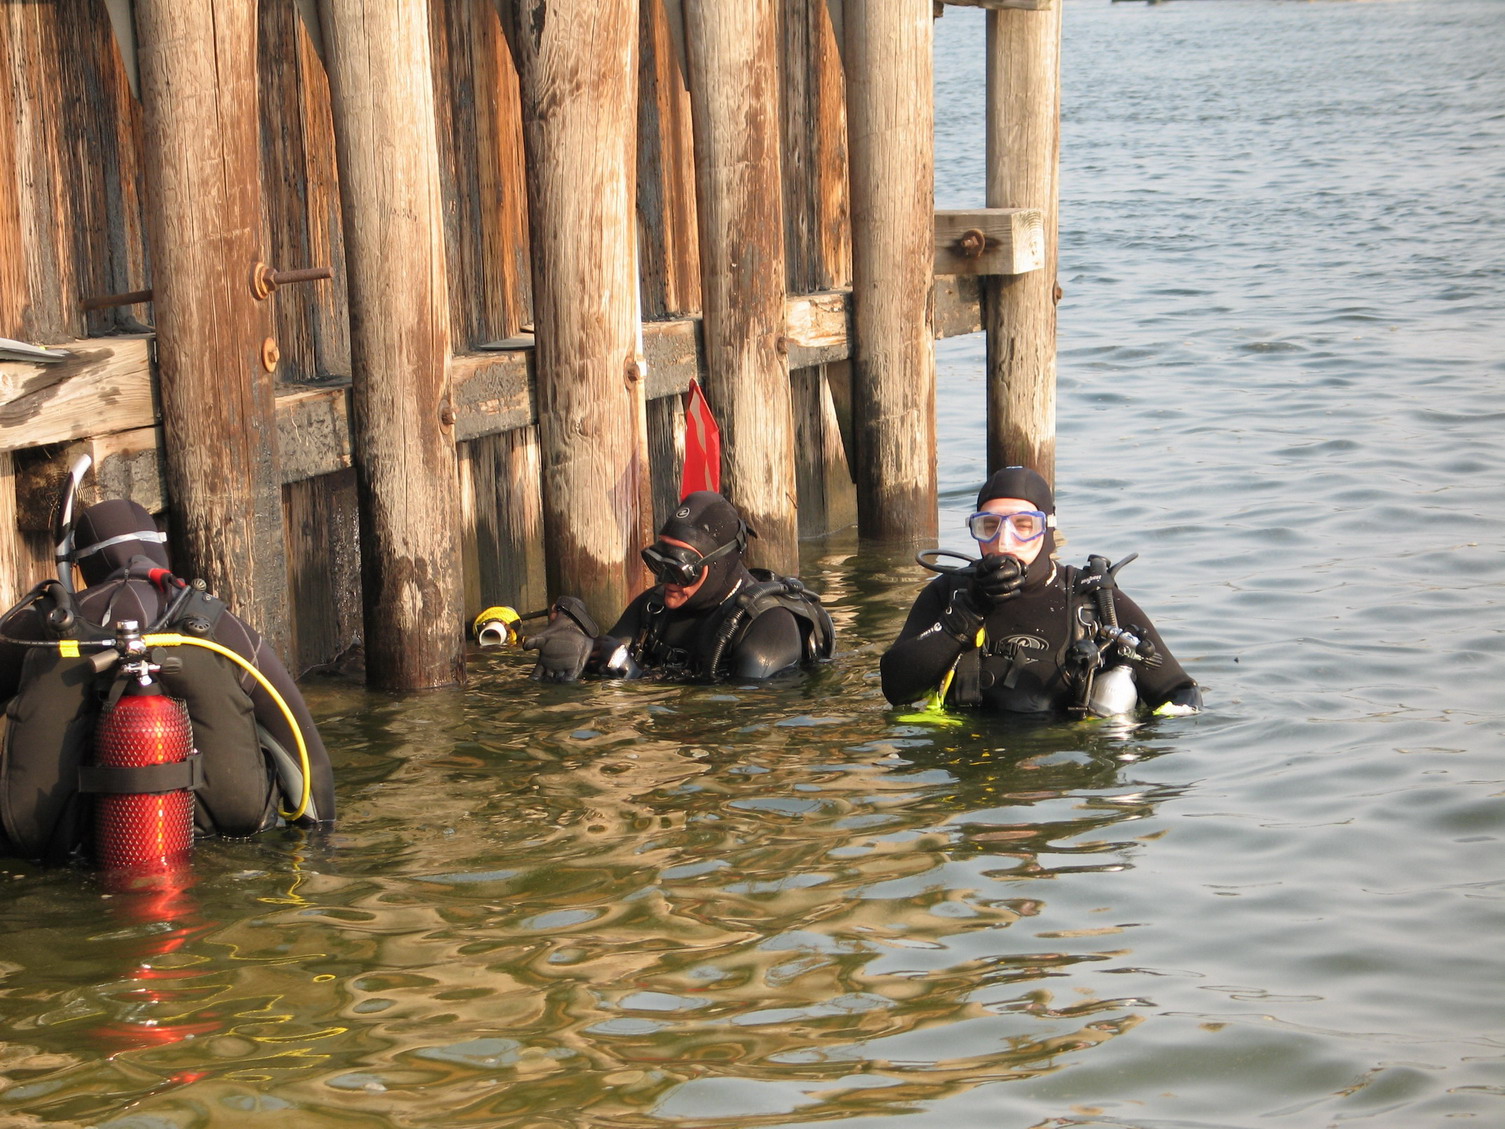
<point x="143" y="831"/>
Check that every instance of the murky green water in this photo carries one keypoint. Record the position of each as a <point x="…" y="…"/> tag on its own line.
<point x="637" y="905"/>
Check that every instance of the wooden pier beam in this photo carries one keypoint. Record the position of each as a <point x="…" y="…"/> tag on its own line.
<point x="1023" y="160"/>
<point x="732" y="49"/>
<point x="402" y="420"/>
<point x="577" y="66"/>
<point x="890" y="119"/>
<point x="202" y="151"/>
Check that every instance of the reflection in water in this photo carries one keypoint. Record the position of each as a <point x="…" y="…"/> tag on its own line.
<point x="603" y="915"/>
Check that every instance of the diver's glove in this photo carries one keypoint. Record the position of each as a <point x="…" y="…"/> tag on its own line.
<point x="962" y="619"/>
<point x="1183" y="700"/>
<point x="994" y="579"/>
<point x="564" y="646"/>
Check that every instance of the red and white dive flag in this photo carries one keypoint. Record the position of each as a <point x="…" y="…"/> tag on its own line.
<point x="702" y="445"/>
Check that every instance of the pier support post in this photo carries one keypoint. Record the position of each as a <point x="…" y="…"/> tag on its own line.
<point x="1023" y="162"/>
<point x="214" y="346"/>
<point x="890" y="124"/>
<point x="577" y="64"/>
<point x="732" y="50"/>
<point x="402" y="418"/>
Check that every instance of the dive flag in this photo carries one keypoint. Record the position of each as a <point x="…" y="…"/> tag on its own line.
<point x="702" y="445"/>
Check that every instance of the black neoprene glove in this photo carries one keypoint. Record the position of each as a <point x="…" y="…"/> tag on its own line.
<point x="961" y="619"/>
<point x="994" y="579"/>
<point x="565" y="644"/>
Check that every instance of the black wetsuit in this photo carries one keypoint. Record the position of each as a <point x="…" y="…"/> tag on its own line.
<point x="51" y="703"/>
<point x="681" y="641"/>
<point x="1024" y="667"/>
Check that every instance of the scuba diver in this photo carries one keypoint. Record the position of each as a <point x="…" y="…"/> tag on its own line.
<point x="709" y="617"/>
<point x="249" y="768"/>
<point x="1014" y="632"/>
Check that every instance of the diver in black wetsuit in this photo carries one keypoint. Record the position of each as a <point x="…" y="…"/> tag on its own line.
<point x="249" y="750"/>
<point x="708" y="618"/>
<point x="1018" y="633"/>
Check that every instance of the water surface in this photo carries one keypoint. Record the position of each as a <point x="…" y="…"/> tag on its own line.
<point x="646" y="906"/>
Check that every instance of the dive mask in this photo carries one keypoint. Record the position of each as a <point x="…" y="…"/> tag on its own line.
<point x="1026" y="525"/>
<point x="680" y="564"/>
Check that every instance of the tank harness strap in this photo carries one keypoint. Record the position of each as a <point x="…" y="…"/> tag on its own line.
<point x="151" y="778"/>
<point x="817" y="634"/>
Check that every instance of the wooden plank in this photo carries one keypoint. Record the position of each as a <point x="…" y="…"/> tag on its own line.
<point x="828" y="497"/>
<point x="890" y="125"/>
<point x="675" y="356"/>
<point x="106" y="379"/>
<point x="958" y="305"/>
<point x="817" y="328"/>
<point x="126" y="465"/>
<point x="814" y="135"/>
<point x="502" y="522"/>
<point x="732" y="48"/>
<point x="668" y="251"/>
<point x="313" y="431"/>
<point x="324" y="568"/>
<point x="402" y="417"/>
<point x="989" y="241"/>
<point x="492" y="392"/>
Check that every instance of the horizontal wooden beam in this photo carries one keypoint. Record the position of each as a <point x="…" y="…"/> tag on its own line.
<point x="106" y="385"/>
<point x="102" y="400"/>
<point x="989" y="241"/>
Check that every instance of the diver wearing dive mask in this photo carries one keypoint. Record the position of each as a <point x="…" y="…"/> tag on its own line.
<point x="1014" y="633"/>
<point x="708" y="617"/>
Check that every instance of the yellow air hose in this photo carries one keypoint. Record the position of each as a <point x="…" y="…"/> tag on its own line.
<point x="70" y="649"/>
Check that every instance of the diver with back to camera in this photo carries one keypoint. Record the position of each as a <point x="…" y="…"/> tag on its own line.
<point x="709" y="617"/>
<point x="1015" y="632"/>
<point x="257" y="766"/>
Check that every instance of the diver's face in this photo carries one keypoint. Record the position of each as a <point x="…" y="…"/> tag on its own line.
<point x="1007" y="542"/>
<point x="675" y="595"/>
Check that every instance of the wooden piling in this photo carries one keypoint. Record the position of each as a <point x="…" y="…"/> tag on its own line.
<point x="1023" y="155"/>
<point x="732" y="50"/>
<point x="402" y="418"/>
<point x="577" y="67"/>
<point x="890" y="123"/>
<point x="198" y="88"/>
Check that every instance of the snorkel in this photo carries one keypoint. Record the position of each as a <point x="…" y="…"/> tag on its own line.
<point x="62" y="529"/>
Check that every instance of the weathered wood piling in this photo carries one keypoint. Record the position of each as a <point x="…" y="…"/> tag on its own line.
<point x="534" y="222"/>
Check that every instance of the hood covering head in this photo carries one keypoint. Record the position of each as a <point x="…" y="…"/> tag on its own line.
<point x="706" y="521"/>
<point x="109" y="534"/>
<point x="1018" y="482"/>
<point x="1021" y="482"/>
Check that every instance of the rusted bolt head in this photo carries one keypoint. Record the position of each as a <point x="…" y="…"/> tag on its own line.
<point x="447" y="412"/>
<point x="972" y="243"/>
<point x="631" y="369"/>
<point x="262" y="282"/>
<point x="270" y="354"/>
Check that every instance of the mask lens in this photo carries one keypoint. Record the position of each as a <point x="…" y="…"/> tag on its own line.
<point x="673" y="564"/>
<point x="985" y="526"/>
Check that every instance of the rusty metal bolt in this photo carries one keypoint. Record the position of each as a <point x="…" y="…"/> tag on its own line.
<point x="264" y="280"/>
<point x="270" y="354"/>
<point x="447" y="412"/>
<point x="972" y="243"/>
